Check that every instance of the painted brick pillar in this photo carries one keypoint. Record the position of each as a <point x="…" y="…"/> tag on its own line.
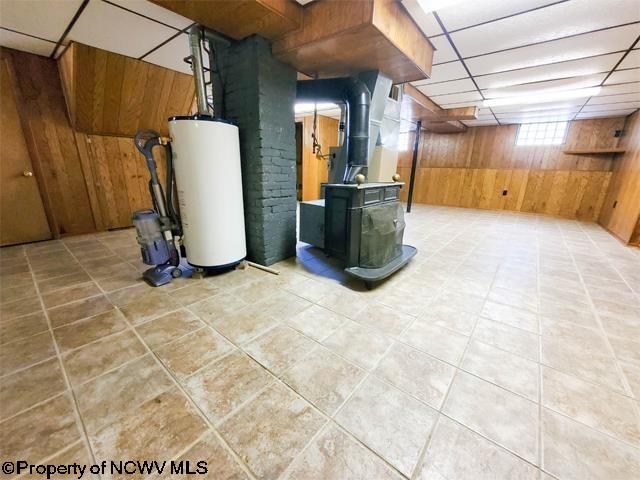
<point x="259" y="96"/>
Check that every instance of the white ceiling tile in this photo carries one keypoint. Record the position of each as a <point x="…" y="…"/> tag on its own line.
<point x="25" y="43"/>
<point x="611" y="106"/>
<point x="606" y="114"/>
<point x="572" y="68"/>
<point x="304" y="2"/>
<point x="443" y="73"/>
<point x="540" y="119"/>
<point x="597" y="43"/>
<point x="156" y="12"/>
<point x="484" y="111"/>
<point x="569" y="105"/>
<point x="624" y="76"/>
<point x="457" y="98"/>
<point x="467" y="103"/>
<point x="488" y="116"/>
<point x="472" y="12"/>
<point x="425" y="21"/>
<point x="444" y="52"/>
<point x="111" y="28"/>
<point x="550" y="86"/>
<point x="553" y="112"/>
<point x="464" y="85"/>
<point x="550" y="23"/>
<point x="171" y="55"/>
<point x="479" y="123"/>
<point x="632" y="60"/>
<point x="620" y="88"/>
<point x="627" y="97"/>
<point x="46" y="19"/>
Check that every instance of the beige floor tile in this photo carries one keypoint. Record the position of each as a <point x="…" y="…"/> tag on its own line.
<point x="159" y="428"/>
<point x="279" y="348"/>
<point x="143" y="310"/>
<point x="574" y="451"/>
<point x="81" y="332"/>
<point x="316" y="322"/>
<point x="195" y="292"/>
<point x="120" y="280"/>
<point x="40" y="431"/>
<point x="243" y="324"/>
<point x="390" y="422"/>
<point x="417" y="373"/>
<point x="76" y="453"/>
<point x="140" y="291"/>
<point x="25" y="388"/>
<point x="310" y="289"/>
<point x="282" y="305"/>
<point x="193" y="351"/>
<point x="502" y="416"/>
<point x="71" y="312"/>
<point x="523" y="319"/>
<point x="564" y="313"/>
<point x="22" y="327"/>
<point x="97" y="357"/>
<point x="324" y="379"/>
<point x="65" y="281"/>
<point x="344" y="302"/>
<point x="513" y="298"/>
<point x="384" y="319"/>
<point x="222" y="386"/>
<point x="625" y="349"/>
<point x="632" y="374"/>
<point x="24" y="352"/>
<point x="169" y="327"/>
<point x="592" y="405"/>
<point x="219" y="462"/>
<point x="457" y="453"/>
<point x="217" y="306"/>
<point x="358" y="344"/>
<point x="13" y="292"/>
<point x="505" y="369"/>
<point x="19" y="308"/>
<point x="71" y="294"/>
<point x="448" y="316"/>
<point x="335" y="455"/>
<point x="461" y="301"/>
<point x="109" y="397"/>
<point x="506" y="337"/>
<point x="440" y="342"/>
<point x="255" y="291"/>
<point x="270" y="430"/>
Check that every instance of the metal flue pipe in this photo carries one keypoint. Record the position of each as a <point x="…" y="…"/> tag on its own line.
<point x="195" y="40"/>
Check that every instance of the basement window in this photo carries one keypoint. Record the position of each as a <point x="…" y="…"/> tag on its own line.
<point x="550" y="133"/>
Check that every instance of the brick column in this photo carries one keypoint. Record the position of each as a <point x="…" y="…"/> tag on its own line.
<point x="259" y="95"/>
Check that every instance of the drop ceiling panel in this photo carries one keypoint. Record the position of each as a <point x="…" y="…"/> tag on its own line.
<point x="627" y="97"/>
<point x="611" y="106"/>
<point x="607" y="41"/>
<point x="620" y="88"/>
<point x="425" y="21"/>
<point x="479" y="123"/>
<point x="457" y="98"/>
<point x="465" y="85"/>
<point x="632" y="60"/>
<point x="444" y="52"/>
<point x="624" y="76"/>
<point x="468" y="103"/>
<point x="111" y="28"/>
<point x="46" y="19"/>
<point x="550" y="86"/>
<point x="472" y="12"/>
<point x="443" y="73"/>
<point x="171" y="55"/>
<point x="155" y="12"/>
<point x="605" y="114"/>
<point x="541" y="113"/>
<point x="540" y="117"/>
<point x="573" y="68"/>
<point x="550" y="118"/>
<point x="550" y="23"/>
<point x="25" y="43"/>
<point x="567" y="105"/>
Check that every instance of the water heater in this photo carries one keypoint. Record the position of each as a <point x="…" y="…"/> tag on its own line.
<point x="206" y="156"/>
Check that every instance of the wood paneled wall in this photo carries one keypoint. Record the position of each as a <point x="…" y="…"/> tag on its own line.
<point x="111" y="94"/>
<point x="473" y="169"/>
<point x="315" y="170"/>
<point x="621" y="211"/>
<point x="50" y="141"/>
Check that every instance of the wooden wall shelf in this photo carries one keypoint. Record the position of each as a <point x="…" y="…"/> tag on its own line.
<point x="593" y="151"/>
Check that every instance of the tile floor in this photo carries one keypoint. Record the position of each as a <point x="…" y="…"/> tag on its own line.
<point x="508" y="349"/>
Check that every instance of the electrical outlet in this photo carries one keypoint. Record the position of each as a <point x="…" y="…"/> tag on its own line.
<point x="615" y="203"/>
<point x="504" y="193"/>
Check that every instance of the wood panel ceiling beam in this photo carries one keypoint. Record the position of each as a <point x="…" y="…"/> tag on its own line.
<point x="417" y="106"/>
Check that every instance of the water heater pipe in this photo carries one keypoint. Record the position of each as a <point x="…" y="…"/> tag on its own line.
<point x="195" y="40"/>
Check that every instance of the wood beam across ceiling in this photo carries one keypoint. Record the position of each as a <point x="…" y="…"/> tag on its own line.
<point x="417" y="106"/>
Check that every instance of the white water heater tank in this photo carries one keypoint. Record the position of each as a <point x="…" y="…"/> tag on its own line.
<point x="206" y="158"/>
